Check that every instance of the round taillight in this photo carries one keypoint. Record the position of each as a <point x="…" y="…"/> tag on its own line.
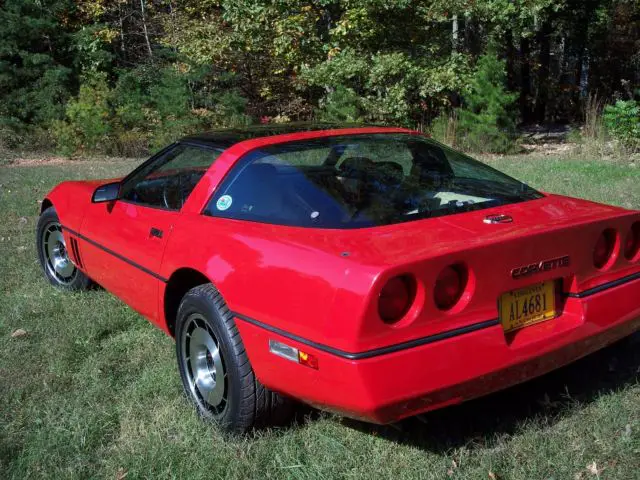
<point x="632" y="242"/>
<point x="450" y="285"/>
<point x="604" y="248"/>
<point x="396" y="297"/>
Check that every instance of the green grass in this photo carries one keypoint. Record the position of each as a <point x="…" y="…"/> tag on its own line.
<point x="92" y="390"/>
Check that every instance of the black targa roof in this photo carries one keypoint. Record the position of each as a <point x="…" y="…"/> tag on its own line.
<point x="225" y="138"/>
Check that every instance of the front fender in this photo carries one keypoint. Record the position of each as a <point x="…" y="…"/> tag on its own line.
<point x="71" y="199"/>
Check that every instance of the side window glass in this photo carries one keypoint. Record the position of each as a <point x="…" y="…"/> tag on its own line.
<point x="168" y="181"/>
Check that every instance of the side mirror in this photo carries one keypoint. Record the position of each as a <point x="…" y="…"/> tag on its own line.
<point x="106" y="193"/>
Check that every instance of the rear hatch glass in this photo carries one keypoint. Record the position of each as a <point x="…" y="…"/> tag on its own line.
<point x="360" y="181"/>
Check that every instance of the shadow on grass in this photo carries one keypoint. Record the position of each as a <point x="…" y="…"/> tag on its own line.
<point x="482" y="421"/>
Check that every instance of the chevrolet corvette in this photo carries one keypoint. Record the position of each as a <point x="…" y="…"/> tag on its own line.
<point x="368" y="271"/>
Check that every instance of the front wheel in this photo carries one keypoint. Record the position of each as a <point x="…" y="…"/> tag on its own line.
<point x="214" y="367"/>
<point x="53" y="255"/>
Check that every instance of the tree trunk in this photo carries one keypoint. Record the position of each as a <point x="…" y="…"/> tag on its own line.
<point x="510" y="53"/>
<point x="454" y="34"/>
<point x="525" y="79"/>
<point x="542" y="96"/>
<point x="144" y="28"/>
<point x="121" y="24"/>
<point x="172" y="15"/>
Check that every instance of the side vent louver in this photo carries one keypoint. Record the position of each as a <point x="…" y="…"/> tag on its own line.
<point x="76" y="252"/>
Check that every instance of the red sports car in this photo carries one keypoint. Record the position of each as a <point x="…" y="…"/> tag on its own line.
<point x="367" y="271"/>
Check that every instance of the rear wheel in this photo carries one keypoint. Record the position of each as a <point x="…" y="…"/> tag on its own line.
<point x="53" y="255"/>
<point x="214" y="367"/>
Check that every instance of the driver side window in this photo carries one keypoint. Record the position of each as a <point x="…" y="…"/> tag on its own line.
<point x="167" y="181"/>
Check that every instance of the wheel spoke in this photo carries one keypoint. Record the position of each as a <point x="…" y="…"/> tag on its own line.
<point x="204" y="364"/>
<point x="54" y="249"/>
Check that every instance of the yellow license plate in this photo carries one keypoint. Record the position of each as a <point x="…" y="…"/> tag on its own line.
<point x="526" y="306"/>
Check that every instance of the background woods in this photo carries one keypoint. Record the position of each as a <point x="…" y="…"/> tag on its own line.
<point x="124" y="76"/>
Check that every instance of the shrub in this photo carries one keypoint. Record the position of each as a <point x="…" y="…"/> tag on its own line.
<point x="87" y="122"/>
<point x="229" y="110"/>
<point x="169" y="130"/>
<point x="622" y="121"/>
<point x="169" y="94"/>
<point x="487" y="120"/>
<point x="445" y="128"/>
<point x="340" y="105"/>
<point x="145" y="110"/>
<point x="591" y="137"/>
<point x="159" y="107"/>
<point x="10" y="133"/>
<point x="65" y="137"/>
<point x="129" y="143"/>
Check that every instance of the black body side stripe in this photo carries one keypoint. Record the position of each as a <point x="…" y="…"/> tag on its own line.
<point x="605" y="286"/>
<point x="376" y="352"/>
<point x="117" y="255"/>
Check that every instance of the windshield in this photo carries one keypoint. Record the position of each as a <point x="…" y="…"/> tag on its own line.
<point x="360" y="181"/>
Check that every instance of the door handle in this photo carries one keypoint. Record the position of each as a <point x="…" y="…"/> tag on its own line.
<point x="155" y="232"/>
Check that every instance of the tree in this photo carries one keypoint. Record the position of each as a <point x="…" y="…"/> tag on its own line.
<point x="36" y="76"/>
<point x="487" y="122"/>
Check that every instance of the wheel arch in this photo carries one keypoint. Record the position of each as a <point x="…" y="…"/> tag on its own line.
<point x="179" y="283"/>
<point x="46" y="203"/>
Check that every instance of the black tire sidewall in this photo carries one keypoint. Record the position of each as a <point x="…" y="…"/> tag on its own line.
<point x="48" y="217"/>
<point x="197" y="302"/>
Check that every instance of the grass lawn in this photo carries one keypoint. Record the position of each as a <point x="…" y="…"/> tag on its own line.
<point x="92" y="389"/>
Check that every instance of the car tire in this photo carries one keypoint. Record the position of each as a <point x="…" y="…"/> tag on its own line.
<point x="58" y="268"/>
<point x="216" y="373"/>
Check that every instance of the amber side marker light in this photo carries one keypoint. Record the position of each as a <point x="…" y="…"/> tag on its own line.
<point x="604" y="248"/>
<point x="291" y="353"/>
<point x="632" y="243"/>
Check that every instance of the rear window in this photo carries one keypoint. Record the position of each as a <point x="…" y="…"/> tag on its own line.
<point x="360" y="181"/>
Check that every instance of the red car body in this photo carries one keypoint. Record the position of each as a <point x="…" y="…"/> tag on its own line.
<point x="317" y="289"/>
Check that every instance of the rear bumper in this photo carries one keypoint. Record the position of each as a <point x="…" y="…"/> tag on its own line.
<point x="390" y="386"/>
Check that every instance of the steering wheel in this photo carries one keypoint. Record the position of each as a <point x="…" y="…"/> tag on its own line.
<point x="171" y="195"/>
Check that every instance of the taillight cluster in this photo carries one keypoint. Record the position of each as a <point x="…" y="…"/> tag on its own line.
<point x="607" y="247"/>
<point x="399" y="293"/>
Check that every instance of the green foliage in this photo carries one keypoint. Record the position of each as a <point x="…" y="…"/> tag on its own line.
<point x="34" y="76"/>
<point x="393" y="87"/>
<point x="174" y="67"/>
<point x="91" y="48"/>
<point x="169" y="94"/>
<point x="86" y="126"/>
<point x="146" y="109"/>
<point x="487" y="121"/>
<point x="228" y="110"/>
<point x="161" y="106"/>
<point x="444" y="127"/>
<point x="340" y="105"/>
<point x="10" y="136"/>
<point x="622" y="121"/>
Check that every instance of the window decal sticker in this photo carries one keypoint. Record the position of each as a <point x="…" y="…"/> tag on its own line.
<point x="224" y="202"/>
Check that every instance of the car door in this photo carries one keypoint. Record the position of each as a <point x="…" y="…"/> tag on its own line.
<point x="125" y="239"/>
